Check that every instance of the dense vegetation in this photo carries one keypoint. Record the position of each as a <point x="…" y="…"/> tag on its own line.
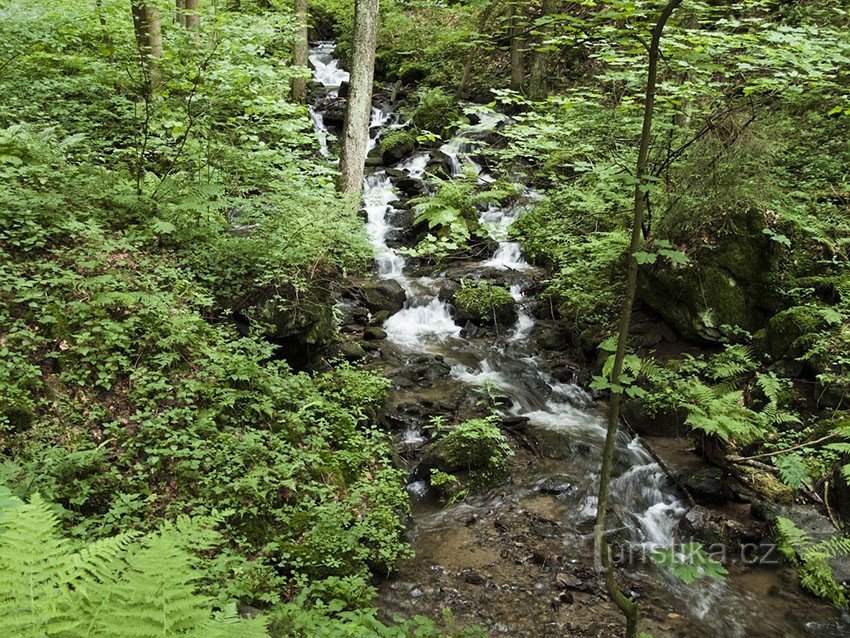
<point x="172" y="244"/>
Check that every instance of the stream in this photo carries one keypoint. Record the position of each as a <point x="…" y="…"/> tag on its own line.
<point x="518" y="560"/>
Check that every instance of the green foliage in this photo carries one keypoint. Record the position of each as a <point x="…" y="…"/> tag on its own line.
<point x="136" y="226"/>
<point x="689" y="563"/>
<point x="121" y="586"/>
<point x="435" y="111"/>
<point x="483" y="300"/>
<point x="335" y="608"/>
<point x="469" y="456"/>
<point x="450" y="214"/>
<point x="812" y="557"/>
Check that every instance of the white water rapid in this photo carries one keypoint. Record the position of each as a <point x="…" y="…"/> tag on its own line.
<point x="569" y="425"/>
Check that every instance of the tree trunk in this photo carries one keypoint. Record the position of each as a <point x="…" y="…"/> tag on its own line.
<point x="105" y="39"/>
<point x="517" y="54"/>
<point x="356" y="131"/>
<point x="300" y="51"/>
<point x="180" y="12"/>
<point x="538" y="81"/>
<point x="472" y="53"/>
<point x="192" y="15"/>
<point x="148" y="31"/>
<point x="629" y="608"/>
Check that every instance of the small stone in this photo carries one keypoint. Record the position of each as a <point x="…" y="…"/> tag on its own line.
<point x="374" y="333"/>
<point x="555" y="485"/>
<point x="567" y="581"/>
<point x="379" y="318"/>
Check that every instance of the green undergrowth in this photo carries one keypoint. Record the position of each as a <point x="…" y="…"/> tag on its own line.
<point x="135" y="227"/>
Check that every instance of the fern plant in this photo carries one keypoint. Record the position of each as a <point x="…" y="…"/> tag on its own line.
<point x="812" y="558"/>
<point x="121" y="587"/>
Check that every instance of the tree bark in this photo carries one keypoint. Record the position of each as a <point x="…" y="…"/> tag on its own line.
<point x="180" y="12"/>
<point x="105" y="39"/>
<point x="472" y="53"/>
<point x="300" y="51"/>
<point x="192" y="16"/>
<point x="146" y="24"/>
<point x="629" y="608"/>
<point x="517" y="53"/>
<point x="538" y="81"/>
<point x="356" y="130"/>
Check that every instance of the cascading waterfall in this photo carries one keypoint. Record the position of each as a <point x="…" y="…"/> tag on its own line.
<point x="641" y="494"/>
<point x="326" y="69"/>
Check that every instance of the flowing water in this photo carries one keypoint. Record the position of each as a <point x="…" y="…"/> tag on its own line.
<point x="563" y="418"/>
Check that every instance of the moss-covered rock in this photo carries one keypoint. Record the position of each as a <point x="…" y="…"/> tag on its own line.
<point x="396" y="145"/>
<point x="435" y="111"/>
<point x="484" y="303"/>
<point x="383" y="294"/>
<point x="787" y="331"/>
<point x="474" y="454"/>
<point x="302" y="326"/>
<point x="729" y="283"/>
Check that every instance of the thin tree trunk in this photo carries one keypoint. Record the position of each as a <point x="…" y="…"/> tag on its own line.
<point x="629" y="608"/>
<point x="146" y="24"/>
<point x="104" y="38"/>
<point x="538" y="81"/>
<point x="472" y="54"/>
<point x="517" y="54"/>
<point x="300" y="51"/>
<point x="356" y="131"/>
<point x="180" y="12"/>
<point x="192" y="15"/>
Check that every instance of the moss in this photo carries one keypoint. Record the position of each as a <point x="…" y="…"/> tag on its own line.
<point x="731" y="283"/>
<point x="767" y="485"/>
<point x="484" y="303"/>
<point x="473" y="455"/>
<point x="396" y="144"/>
<point x="787" y="330"/>
<point x="436" y="111"/>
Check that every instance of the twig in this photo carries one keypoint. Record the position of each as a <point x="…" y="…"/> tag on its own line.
<point x="737" y="459"/>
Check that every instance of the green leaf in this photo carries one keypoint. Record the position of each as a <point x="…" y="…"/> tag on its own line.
<point x="792" y="471"/>
<point x="645" y="258"/>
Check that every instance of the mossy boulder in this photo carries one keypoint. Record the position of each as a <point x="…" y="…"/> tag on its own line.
<point x="472" y="455"/>
<point x="396" y="145"/>
<point x="383" y="295"/>
<point x="435" y="111"/>
<point x="302" y="326"/>
<point x="788" y="330"/>
<point x="484" y="304"/>
<point x="731" y="282"/>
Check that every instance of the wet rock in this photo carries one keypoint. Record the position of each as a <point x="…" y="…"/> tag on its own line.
<point x="556" y="485"/>
<point x="410" y="186"/>
<point x="383" y="294"/>
<point x="730" y="283"/>
<point x="707" y="485"/>
<point x="448" y="288"/>
<point x="379" y="318"/>
<point x="469" y="330"/>
<point x="440" y="164"/>
<point x="514" y="423"/>
<point x="334" y="113"/>
<point x="360" y="314"/>
<point x="373" y="333"/>
<point x="351" y="350"/>
<point x="552" y="337"/>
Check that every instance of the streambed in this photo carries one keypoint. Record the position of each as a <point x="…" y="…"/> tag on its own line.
<point x="518" y="559"/>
